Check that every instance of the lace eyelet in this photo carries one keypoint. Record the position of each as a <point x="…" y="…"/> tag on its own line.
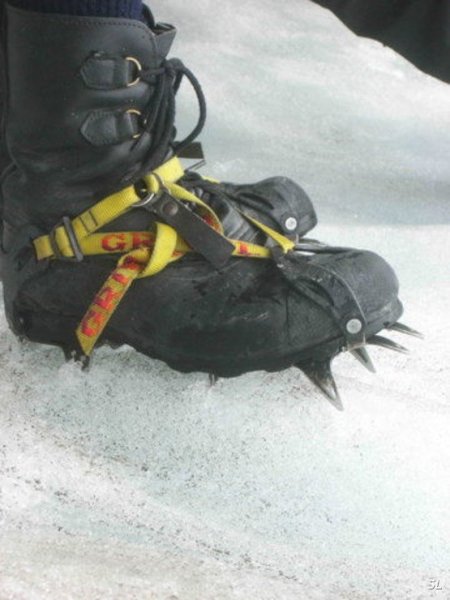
<point x="134" y="111"/>
<point x="138" y="66"/>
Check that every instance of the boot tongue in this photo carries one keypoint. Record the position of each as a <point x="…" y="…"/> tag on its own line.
<point x="164" y="32"/>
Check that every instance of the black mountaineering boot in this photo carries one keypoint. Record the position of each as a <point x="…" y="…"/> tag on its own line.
<point x="109" y="240"/>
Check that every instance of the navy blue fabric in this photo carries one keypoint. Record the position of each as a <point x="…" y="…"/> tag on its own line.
<point x="128" y="9"/>
<point x="417" y="29"/>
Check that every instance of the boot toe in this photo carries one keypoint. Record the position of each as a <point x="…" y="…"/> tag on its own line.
<point x="371" y="279"/>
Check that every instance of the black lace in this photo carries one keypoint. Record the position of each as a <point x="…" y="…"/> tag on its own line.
<point x="159" y="120"/>
<point x="159" y="123"/>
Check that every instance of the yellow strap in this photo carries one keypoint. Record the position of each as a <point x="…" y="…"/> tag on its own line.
<point x="105" y="212"/>
<point x="144" y="253"/>
<point x="105" y="303"/>
<point x="142" y="262"/>
<point x="121" y="242"/>
<point x="165" y="244"/>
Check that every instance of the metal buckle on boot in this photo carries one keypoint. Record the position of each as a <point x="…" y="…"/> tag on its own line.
<point x="78" y="255"/>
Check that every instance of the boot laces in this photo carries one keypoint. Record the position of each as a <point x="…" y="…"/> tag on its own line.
<point x="159" y="122"/>
<point x="159" y="119"/>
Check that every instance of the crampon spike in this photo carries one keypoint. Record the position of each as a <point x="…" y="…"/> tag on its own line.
<point x="213" y="379"/>
<point x="400" y="328"/>
<point x="363" y="357"/>
<point x="379" y="340"/>
<point x="78" y="357"/>
<point x="319" y="373"/>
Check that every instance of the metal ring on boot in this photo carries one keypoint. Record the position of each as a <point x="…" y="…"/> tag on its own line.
<point x="134" y="111"/>
<point x="138" y="65"/>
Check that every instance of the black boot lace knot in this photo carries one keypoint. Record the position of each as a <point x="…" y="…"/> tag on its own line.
<point x="159" y="115"/>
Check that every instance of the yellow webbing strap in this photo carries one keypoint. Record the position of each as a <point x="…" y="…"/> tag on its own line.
<point x="142" y="262"/>
<point x="120" y="242"/>
<point x="105" y="212"/>
<point x="144" y="253"/>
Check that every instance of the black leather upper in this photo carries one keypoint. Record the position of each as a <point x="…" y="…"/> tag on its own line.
<point x="74" y="131"/>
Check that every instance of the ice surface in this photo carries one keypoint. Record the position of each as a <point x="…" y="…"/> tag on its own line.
<point x="138" y="482"/>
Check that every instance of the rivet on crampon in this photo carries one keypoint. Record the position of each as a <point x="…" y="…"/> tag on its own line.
<point x="319" y="373"/>
<point x="291" y="223"/>
<point x="354" y="326"/>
